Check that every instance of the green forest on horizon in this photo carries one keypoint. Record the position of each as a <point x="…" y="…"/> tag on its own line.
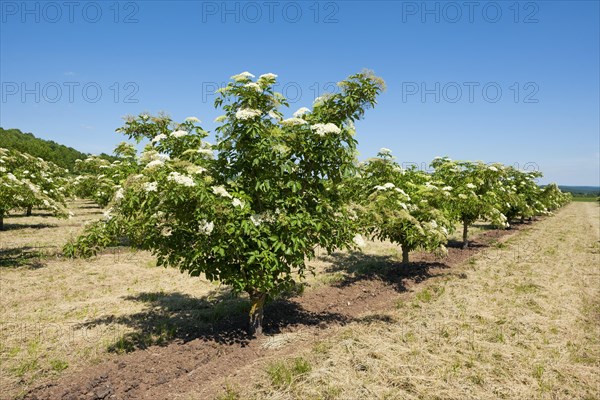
<point x="61" y="155"/>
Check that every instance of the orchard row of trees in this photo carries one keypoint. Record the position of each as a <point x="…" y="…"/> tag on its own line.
<point x="251" y="209"/>
<point x="27" y="182"/>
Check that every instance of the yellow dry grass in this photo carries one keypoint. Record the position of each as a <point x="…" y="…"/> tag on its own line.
<point x="58" y="313"/>
<point x="522" y="325"/>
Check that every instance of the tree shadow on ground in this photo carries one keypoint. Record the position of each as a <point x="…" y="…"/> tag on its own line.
<point x="357" y="266"/>
<point x="90" y="206"/>
<point x="33" y="214"/>
<point x="458" y="244"/>
<point x="12" y="227"/>
<point x="220" y="317"/>
<point x="30" y="257"/>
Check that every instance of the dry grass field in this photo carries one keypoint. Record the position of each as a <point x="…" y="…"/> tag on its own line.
<point x="519" y="319"/>
<point x="523" y="323"/>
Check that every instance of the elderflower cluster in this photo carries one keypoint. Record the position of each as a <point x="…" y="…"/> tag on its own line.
<point x="323" y="129"/>
<point x="206" y="227"/>
<point x="268" y="76"/>
<point x="221" y="191"/>
<point x="206" y="152"/>
<point x="253" y="85"/>
<point x="385" y="151"/>
<point x="153" y="164"/>
<point x="258" y="219"/>
<point x="181" y="179"/>
<point x="301" y="112"/>
<point x="193" y="119"/>
<point x="244" y="76"/>
<point x="159" y="137"/>
<point x="247" y="113"/>
<point x="150" y="187"/>
<point x="471" y="186"/>
<point x="119" y="195"/>
<point x="386" y="186"/>
<point x="195" y="169"/>
<point x="293" y="121"/>
<point x="237" y="203"/>
<point x="178" y="134"/>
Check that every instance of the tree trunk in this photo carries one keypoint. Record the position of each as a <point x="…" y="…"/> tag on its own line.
<point x="405" y="255"/>
<point x="29" y="209"/>
<point x="1" y="221"/>
<point x="522" y="219"/>
<point x="465" y="235"/>
<point x="256" y="313"/>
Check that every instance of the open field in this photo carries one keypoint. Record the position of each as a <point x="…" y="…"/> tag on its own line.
<point x="514" y="317"/>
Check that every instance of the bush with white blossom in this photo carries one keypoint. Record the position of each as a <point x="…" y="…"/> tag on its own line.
<point x="27" y="181"/>
<point x="249" y="210"/>
<point x="400" y="206"/>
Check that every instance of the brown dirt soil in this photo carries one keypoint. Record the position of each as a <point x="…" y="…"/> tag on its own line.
<point x="201" y="361"/>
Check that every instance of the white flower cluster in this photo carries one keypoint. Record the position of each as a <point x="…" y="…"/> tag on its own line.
<point x="386" y="186"/>
<point x="471" y="186"/>
<point x="385" y="151"/>
<point x="447" y="188"/>
<point x="151" y="186"/>
<point x="268" y="76"/>
<point x="321" y="99"/>
<point x="119" y="195"/>
<point x="178" y="134"/>
<point x="193" y="119"/>
<point x="274" y="115"/>
<point x="221" y="191"/>
<point x="244" y="76"/>
<point x="221" y="118"/>
<point x="301" y="112"/>
<point x="205" y="151"/>
<point x="247" y="113"/>
<point x="159" y="137"/>
<point x="323" y="129"/>
<point x="237" y="203"/>
<point x="181" y="179"/>
<point x="253" y="85"/>
<point x="195" y="169"/>
<point x="492" y="168"/>
<point x="293" y="121"/>
<point x="206" y="227"/>
<point x="153" y="164"/>
<point x="258" y="219"/>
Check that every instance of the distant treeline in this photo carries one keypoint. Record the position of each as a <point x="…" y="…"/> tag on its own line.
<point x="49" y="150"/>
<point x="581" y="191"/>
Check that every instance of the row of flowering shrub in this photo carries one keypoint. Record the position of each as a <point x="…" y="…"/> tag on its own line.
<point x="418" y="210"/>
<point x="252" y="208"/>
<point x="27" y="182"/>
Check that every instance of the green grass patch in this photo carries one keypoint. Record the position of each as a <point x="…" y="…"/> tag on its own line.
<point x="283" y="373"/>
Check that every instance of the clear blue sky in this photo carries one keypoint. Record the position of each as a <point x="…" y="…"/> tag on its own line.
<point x="443" y="63"/>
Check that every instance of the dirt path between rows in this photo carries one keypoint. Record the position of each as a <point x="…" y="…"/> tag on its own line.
<point x="202" y="362"/>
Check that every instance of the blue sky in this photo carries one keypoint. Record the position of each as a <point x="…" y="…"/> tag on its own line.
<point x="511" y="82"/>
